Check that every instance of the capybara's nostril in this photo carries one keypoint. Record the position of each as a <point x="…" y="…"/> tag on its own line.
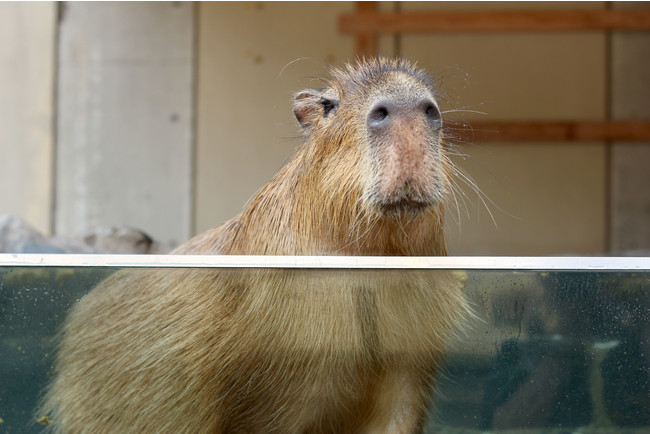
<point x="432" y="112"/>
<point x="379" y="115"/>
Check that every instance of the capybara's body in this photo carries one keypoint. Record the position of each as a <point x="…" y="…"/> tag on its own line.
<point x="287" y="351"/>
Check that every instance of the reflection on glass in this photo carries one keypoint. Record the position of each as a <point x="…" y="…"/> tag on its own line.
<point x="548" y="351"/>
<point x="557" y="350"/>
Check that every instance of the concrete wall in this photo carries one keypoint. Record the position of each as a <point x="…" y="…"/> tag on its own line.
<point x="125" y="107"/>
<point x="252" y="58"/>
<point x="630" y="176"/>
<point x="27" y="47"/>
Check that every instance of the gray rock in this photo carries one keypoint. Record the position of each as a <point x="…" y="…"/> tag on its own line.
<point x="109" y="239"/>
<point x="18" y="236"/>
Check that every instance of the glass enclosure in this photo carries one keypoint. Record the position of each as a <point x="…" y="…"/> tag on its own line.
<point x="555" y="345"/>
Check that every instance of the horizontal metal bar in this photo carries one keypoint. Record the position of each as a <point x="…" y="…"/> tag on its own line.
<point x="522" y="263"/>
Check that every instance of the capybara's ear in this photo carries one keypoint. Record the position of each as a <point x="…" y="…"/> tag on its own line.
<point x="307" y="108"/>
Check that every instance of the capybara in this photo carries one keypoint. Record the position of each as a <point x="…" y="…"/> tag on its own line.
<point x="287" y="350"/>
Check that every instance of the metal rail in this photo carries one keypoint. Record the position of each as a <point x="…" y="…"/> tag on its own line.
<point x="513" y="263"/>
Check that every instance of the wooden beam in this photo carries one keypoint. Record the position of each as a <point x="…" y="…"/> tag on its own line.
<point x="551" y="131"/>
<point x="366" y="42"/>
<point x="373" y="22"/>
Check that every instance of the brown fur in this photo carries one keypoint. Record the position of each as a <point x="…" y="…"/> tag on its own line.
<point x="192" y="351"/>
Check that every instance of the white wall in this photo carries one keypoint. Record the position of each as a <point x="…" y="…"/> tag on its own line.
<point x="27" y="47"/>
<point x="252" y="58"/>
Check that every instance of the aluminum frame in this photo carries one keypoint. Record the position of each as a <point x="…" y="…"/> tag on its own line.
<point x="518" y="263"/>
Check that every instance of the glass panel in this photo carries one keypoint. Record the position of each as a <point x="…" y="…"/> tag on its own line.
<point x="556" y="350"/>
<point x="545" y="352"/>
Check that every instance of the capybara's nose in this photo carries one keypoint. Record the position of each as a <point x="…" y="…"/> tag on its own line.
<point x="385" y="113"/>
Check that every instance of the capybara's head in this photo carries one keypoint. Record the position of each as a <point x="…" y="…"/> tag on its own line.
<point x="375" y="133"/>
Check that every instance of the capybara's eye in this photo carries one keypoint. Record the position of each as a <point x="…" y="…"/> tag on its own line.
<point x="328" y="105"/>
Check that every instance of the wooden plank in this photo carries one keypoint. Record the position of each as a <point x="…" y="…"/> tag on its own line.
<point x="368" y="22"/>
<point x="552" y="131"/>
<point x="366" y="43"/>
